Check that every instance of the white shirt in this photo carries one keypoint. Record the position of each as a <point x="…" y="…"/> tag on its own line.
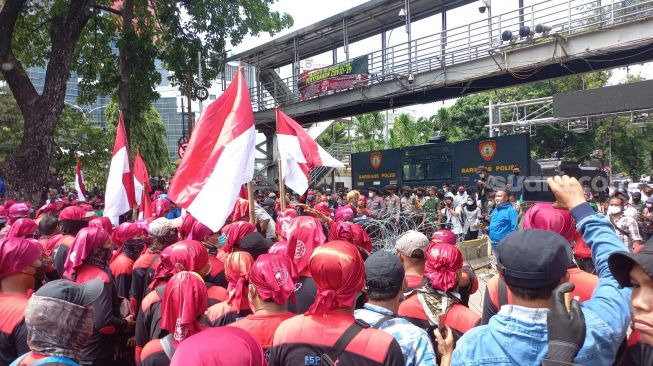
<point x="262" y="215"/>
<point x="456" y="222"/>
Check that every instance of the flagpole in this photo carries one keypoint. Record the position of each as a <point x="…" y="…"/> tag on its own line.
<point x="282" y="188"/>
<point x="250" y="198"/>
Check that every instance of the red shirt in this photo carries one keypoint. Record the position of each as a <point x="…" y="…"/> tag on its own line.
<point x="262" y="326"/>
<point x="13" y="334"/>
<point x="413" y="281"/>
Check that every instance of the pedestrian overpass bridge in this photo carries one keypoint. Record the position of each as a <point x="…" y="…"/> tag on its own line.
<point x="558" y="38"/>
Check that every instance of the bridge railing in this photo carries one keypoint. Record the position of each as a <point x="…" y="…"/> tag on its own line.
<point x="473" y="41"/>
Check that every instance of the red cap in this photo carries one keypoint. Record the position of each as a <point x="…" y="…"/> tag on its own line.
<point x="74" y="213"/>
<point x="444" y="236"/>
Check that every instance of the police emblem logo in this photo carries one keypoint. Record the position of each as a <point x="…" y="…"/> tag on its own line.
<point x="375" y="160"/>
<point x="487" y="149"/>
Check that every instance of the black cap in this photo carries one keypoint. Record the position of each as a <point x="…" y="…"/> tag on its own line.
<point x="622" y="262"/>
<point x="406" y="188"/>
<point x="255" y="244"/>
<point x="374" y="189"/>
<point x="384" y="272"/>
<point x="69" y="291"/>
<point x="533" y="258"/>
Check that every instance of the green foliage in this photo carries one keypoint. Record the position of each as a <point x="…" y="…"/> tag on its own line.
<point x="408" y="132"/>
<point x="75" y="135"/>
<point x="337" y="134"/>
<point x="368" y="129"/>
<point x="11" y="124"/>
<point x="147" y="134"/>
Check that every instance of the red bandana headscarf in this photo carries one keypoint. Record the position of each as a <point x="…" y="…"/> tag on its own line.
<point x="221" y="346"/>
<point x="184" y="300"/>
<point x="22" y="228"/>
<point x="87" y="240"/>
<point x="304" y="235"/>
<point x="236" y="268"/>
<point x="544" y="217"/>
<point x="236" y="232"/>
<point x="279" y="247"/>
<point x="274" y="276"/>
<point x="126" y="231"/>
<point x="241" y="210"/>
<point x="339" y="274"/>
<point x="103" y="222"/>
<point x="443" y="261"/>
<point x="16" y="254"/>
<point x="161" y="207"/>
<point x="344" y="213"/>
<point x="186" y="255"/>
<point x="199" y="231"/>
<point x="283" y="221"/>
<point x="186" y="226"/>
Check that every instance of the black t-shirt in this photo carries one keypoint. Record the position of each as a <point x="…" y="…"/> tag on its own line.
<point x="639" y="354"/>
<point x="305" y="292"/>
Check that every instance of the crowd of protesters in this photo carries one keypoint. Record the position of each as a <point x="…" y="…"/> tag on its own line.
<point x="304" y="285"/>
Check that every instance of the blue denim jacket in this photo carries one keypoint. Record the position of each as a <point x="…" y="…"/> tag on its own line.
<point x="518" y="335"/>
<point x="503" y="221"/>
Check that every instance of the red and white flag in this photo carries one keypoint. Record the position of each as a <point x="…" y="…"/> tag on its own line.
<point x="299" y="153"/>
<point x="79" y="181"/>
<point x="142" y="186"/>
<point x="119" y="196"/>
<point x="219" y="158"/>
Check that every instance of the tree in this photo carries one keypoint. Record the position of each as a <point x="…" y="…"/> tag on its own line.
<point x="11" y="124"/>
<point x="368" y="129"/>
<point x="77" y="35"/>
<point x="337" y="134"/>
<point x="75" y="136"/>
<point x="408" y="132"/>
<point x="148" y="135"/>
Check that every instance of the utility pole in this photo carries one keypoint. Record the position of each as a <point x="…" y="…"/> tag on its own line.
<point x="189" y="95"/>
<point x="385" y="134"/>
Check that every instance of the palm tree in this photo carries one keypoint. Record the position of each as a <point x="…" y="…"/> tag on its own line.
<point x="368" y="130"/>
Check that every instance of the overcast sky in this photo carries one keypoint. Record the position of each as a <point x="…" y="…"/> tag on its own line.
<point x="306" y="12"/>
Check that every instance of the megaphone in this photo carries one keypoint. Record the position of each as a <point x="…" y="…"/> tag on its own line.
<point x="544" y="29"/>
<point x="526" y="32"/>
<point x="507" y="36"/>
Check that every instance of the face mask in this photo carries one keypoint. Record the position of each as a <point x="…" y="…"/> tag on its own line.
<point x="310" y="198"/>
<point x="649" y="206"/>
<point x="516" y="173"/>
<point x="470" y="202"/>
<point x="481" y="175"/>
<point x="613" y="210"/>
<point x="498" y="201"/>
<point x="370" y="194"/>
<point x="222" y="240"/>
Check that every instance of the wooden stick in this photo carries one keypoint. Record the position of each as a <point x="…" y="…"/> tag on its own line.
<point x="282" y="188"/>
<point x="250" y="197"/>
<point x="135" y="211"/>
<point x="568" y="301"/>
